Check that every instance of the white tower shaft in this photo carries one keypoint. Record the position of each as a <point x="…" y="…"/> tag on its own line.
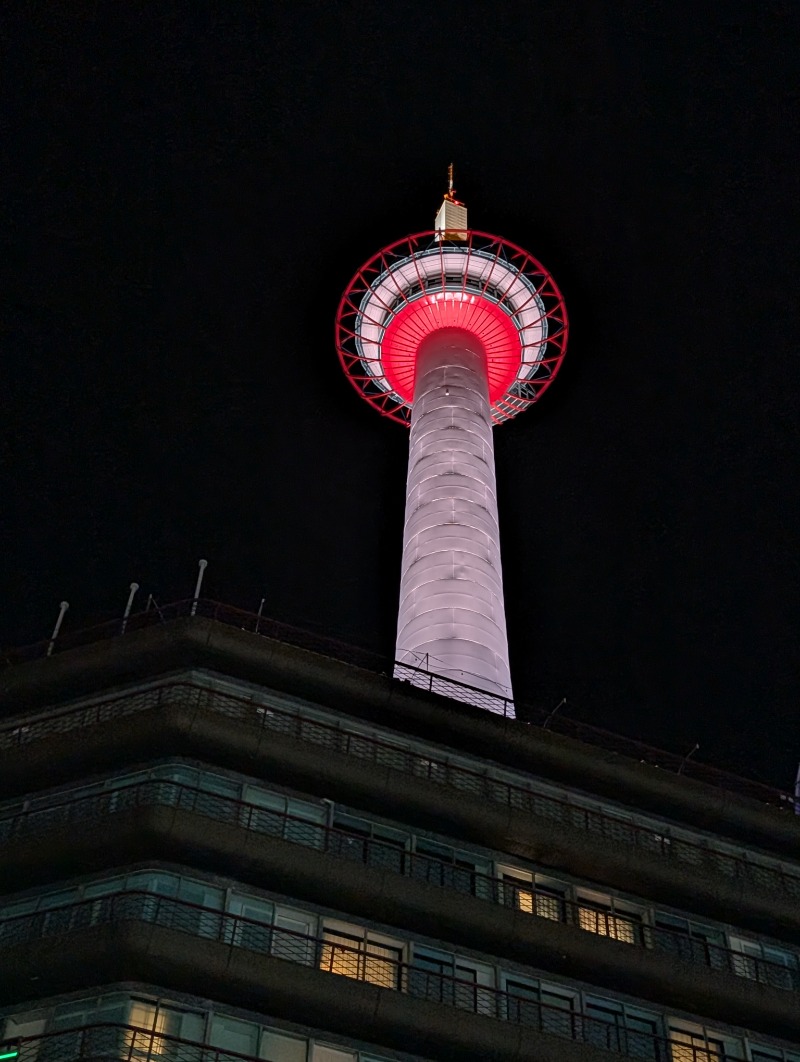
<point x="452" y="620"/>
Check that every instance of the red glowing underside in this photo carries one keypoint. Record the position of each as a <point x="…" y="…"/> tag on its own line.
<point x="485" y="319"/>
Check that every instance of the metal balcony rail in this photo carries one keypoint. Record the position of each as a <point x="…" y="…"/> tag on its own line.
<point x="114" y="1042"/>
<point x="393" y="857"/>
<point x="294" y="724"/>
<point x="417" y="676"/>
<point x="379" y="965"/>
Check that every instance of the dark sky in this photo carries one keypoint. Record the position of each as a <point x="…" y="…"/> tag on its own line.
<point x="189" y="190"/>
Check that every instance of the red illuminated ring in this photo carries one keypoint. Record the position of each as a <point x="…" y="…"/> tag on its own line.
<point x="482" y="283"/>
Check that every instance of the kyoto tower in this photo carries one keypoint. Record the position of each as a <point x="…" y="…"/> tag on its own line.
<point x="451" y="332"/>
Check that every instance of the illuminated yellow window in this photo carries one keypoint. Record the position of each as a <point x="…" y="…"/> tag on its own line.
<point x="361" y="958"/>
<point x="605" y="923"/>
<point x="686" y="1047"/>
<point x="535" y="899"/>
<point x="142" y="1042"/>
<point x="524" y="898"/>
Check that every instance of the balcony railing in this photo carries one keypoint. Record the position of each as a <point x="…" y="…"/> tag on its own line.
<point x="113" y="1042"/>
<point x="517" y="1003"/>
<point x="381" y="854"/>
<point x="417" y="676"/>
<point x="293" y="723"/>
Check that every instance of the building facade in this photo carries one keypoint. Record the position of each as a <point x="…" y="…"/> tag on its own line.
<point x="217" y="845"/>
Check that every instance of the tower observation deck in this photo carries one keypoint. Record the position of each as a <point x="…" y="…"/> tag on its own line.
<point x="452" y="331"/>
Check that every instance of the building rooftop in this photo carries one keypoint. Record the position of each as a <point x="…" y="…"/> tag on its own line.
<point x="200" y="632"/>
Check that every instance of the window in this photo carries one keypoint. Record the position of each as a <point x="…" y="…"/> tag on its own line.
<point x="775" y="1054"/>
<point x="143" y="1042"/>
<point x="605" y="922"/>
<point x="689" y="941"/>
<point x="207" y="794"/>
<point x="293" y="937"/>
<point x="278" y="1048"/>
<point x="352" y="952"/>
<point x="601" y="914"/>
<point x="438" y="864"/>
<point x="542" y="1006"/>
<point x="616" y="1027"/>
<point x="363" y="842"/>
<point x="321" y="1053"/>
<point x="534" y="895"/>
<point x="72" y="1042"/>
<point x="451" y="979"/>
<point x="701" y="1045"/>
<point x="280" y="816"/>
<point x="252" y="928"/>
<point x="771" y="966"/>
<point x="523" y="1000"/>
<point x="240" y="1037"/>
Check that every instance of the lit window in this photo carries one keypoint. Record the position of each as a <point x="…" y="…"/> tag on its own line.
<point x="697" y="1047"/>
<point x="596" y="917"/>
<point x="363" y="958"/>
<point x="141" y="1041"/>
<point x="543" y="899"/>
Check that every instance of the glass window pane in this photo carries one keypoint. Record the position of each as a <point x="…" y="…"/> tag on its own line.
<point x="294" y="944"/>
<point x="233" y="1034"/>
<point x="278" y="1048"/>
<point x="321" y="1053"/>
<point x="142" y="1041"/>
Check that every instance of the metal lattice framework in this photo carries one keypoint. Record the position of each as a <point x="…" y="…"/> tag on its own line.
<point x="482" y="283"/>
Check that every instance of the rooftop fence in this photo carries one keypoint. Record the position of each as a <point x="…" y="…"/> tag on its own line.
<point x="417" y="676"/>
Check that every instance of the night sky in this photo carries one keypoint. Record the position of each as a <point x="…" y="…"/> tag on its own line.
<point x="189" y="188"/>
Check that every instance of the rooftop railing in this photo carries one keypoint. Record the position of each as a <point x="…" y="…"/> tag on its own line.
<point x="417" y="676"/>
<point x="517" y="1003"/>
<point x="384" y="855"/>
<point x="662" y="842"/>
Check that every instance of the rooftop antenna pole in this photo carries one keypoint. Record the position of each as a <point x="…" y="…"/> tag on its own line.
<point x="260" y="610"/>
<point x="202" y="564"/>
<point x="685" y="759"/>
<point x="61" y="612"/>
<point x="552" y="715"/>
<point x="134" y="587"/>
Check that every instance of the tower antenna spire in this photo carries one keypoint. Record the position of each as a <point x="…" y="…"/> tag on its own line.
<point x="451" y="192"/>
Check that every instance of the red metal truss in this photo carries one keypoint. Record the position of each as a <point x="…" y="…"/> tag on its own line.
<point x="482" y="283"/>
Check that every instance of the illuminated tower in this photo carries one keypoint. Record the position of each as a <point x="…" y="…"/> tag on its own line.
<point x="452" y="331"/>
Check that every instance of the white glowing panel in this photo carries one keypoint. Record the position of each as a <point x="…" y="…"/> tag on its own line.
<point x="451" y="619"/>
<point x="451" y="220"/>
<point x="470" y="274"/>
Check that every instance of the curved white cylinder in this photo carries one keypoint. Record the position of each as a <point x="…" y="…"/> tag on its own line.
<point x="452" y="619"/>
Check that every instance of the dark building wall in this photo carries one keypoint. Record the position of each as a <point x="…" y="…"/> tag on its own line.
<point x="195" y="731"/>
<point x="380" y="896"/>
